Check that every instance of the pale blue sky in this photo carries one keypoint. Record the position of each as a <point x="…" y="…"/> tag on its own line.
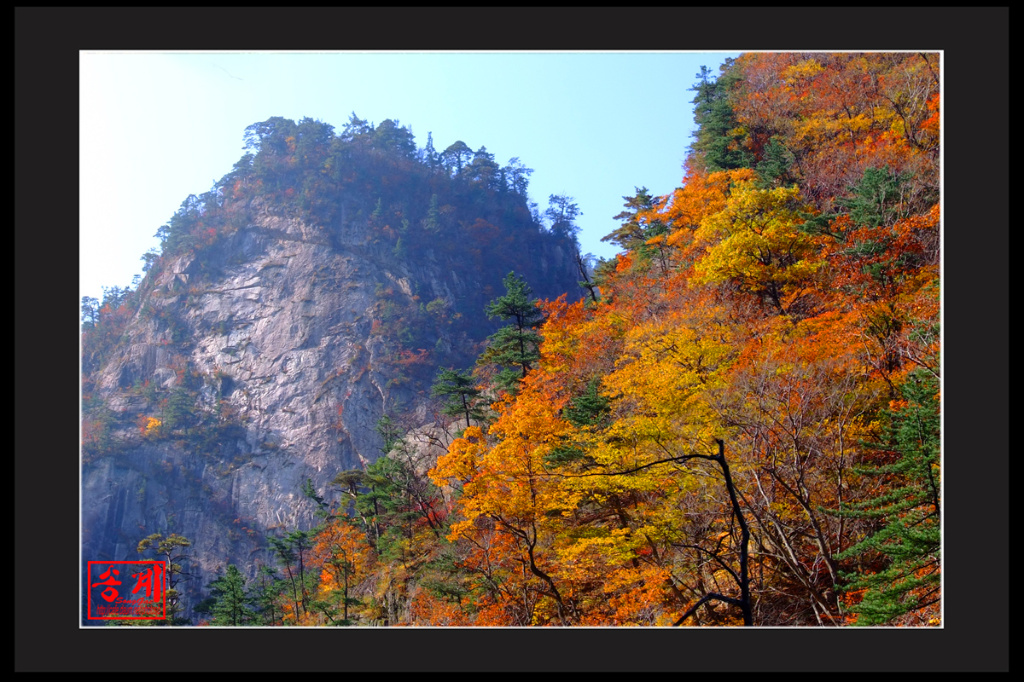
<point x="158" y="126"/>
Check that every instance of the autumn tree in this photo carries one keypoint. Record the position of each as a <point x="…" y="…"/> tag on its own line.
<point x="755" y="242"/>
<point x="509" y="508"/>
<point x="836" y="115"/>
<point x="344" y="556"/>
<point x="798" y="280"/>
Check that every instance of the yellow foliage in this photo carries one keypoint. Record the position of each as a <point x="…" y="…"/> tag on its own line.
<point x="152" y="426"/>
<point x="755" y="242"/>
<point x="802" y="70"/>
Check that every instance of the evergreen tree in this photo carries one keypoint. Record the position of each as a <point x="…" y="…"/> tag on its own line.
<point x="632" y="234"/>
<point x="515" y="347"/>
<point x="586" y="410"/>
<point x="907" y="546"/>
<point x="430" y="156"/>
<point x="517" y="176"/>
<point x="286" y="556"/>
<point x="390" y="433"/>
<point x="716" y="146"/>
<point x="382" y="503"/>
<point x="432" y="223"/>
<point x="879" y="199"/>
<point x="322" y="508"/>
<point x="455" y="156"/>
<point x="355" y="128"/>
<point x="149" y="259"/>
<point x="169" y="550"/>
<point x="392" y="138"/>
<point x="291" y="551"/>
<point x="90" y="312"/>
<point x="562" y="212"/>
<point x="230" y="605"/>
<point x="461" y="397"/>
<point x="773" y="169"/>
<point x="483" y="169"/>
<point x="179" y="412"/>
<point x="265" y="596"/>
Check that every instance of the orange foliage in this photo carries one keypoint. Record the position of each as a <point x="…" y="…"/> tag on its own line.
<point x="840" y="114"/>
<point x="588" y="502"/>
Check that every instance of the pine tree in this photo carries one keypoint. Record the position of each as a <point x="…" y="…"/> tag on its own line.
<point x="179" y="412"/>
<point x="632" y="234"/>
<point x="461" y="397"/>
<point x="586" y="410"/>
<point x="717" y="146"/>
<point x="390" y="432"/>
<point x="773" y="169"/>
<point x="515" y="347"/>
<point x="909" y="541"/>
<point x="589" y="408"/>
<point x="231" y="605"/>
<point x="265" y="595"/>
<point x="90" y="312"/>
<point x="291" y="551"/>
<point x="562" y="211"/>
<point x="169" y="550"/>
<point x="879" y="199"/>
<point x="430" y="155"/>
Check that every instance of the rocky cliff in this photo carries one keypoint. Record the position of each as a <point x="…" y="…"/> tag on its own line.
<point x="249" y="366"/>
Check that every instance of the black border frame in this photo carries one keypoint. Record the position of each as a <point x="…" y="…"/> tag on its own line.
<point x="975" y="43"/>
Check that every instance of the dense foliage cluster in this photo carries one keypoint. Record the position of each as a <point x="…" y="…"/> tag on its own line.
<point x="782" y="305"/>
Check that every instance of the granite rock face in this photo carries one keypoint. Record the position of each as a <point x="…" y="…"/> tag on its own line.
<point x="273" y="336"/>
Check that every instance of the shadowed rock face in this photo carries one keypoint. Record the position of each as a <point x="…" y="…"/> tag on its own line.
<point x="273" y="336"/>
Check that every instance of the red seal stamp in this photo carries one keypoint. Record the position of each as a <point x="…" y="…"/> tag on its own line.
<point x="126" y="590"/>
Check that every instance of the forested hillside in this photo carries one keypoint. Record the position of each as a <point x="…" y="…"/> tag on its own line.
<point x="736" y="421"/>
<point x="310" y="296"/>
<point x="744" y="429"/>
